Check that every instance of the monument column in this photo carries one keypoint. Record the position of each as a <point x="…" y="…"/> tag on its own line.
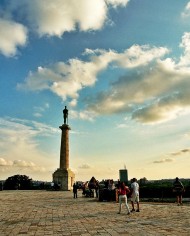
<point x="63" y="176"/>
<point x="64" y="150"/>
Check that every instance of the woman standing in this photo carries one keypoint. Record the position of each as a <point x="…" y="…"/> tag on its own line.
<point x="123" y="191"/>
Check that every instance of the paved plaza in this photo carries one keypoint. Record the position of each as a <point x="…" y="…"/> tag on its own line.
<point x="58" y="213"/>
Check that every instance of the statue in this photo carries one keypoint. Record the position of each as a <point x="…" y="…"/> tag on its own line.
<point x="65" y="115"/>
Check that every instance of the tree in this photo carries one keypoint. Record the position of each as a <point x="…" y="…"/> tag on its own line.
<point x="18" y="182"/>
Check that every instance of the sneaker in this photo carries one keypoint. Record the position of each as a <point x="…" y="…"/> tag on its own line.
<point x="118" y="213"/>
<point x="137" y="210"/>
<point x="132" y="210"/>
<point x="129" y="213"/>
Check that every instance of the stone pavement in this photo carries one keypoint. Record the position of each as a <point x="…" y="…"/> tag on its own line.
<point x="57" y="213"/>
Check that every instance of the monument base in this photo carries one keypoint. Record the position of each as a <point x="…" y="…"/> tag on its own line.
<point x="65" y="178"/>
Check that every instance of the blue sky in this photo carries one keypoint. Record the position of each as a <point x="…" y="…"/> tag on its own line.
<point x="122" y="67"/>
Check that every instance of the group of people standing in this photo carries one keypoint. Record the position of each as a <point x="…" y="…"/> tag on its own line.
<point x="124" y="190"/>
<point x="133" y="192"/>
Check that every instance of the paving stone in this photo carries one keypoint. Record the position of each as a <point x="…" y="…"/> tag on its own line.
<point x="57" y="213"/>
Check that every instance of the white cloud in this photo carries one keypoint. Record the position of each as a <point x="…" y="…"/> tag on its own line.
<point x="185" y="44"/>
<point x="23" y="163"/>
<point x="4" y="162"/>
<point x="56" y="17"/>
<point x="50" y="18"/>
<point x="140" y="55"/>
<point x="186" y="12"/>
<point x="116" y="3"/>
<point x="83" y="115"/>
<point x="156" y="92"/>
<point x="39" y="110"/>
<point x="59" y="16"/>
<point x="121" y="126"/>
<point x="13" y="35"/>
<point x="67" y="79"/>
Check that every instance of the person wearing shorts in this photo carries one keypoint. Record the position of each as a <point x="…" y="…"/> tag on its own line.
<point x="135" y="195"/>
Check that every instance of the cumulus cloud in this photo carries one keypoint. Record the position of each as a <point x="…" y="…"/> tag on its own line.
<point x="156" y="92"/>
<point x="185" y="44"/>
<point x="4" y="162"/>
<point x="13" y="35"/>
<point x="56" y="17"/>
<point x="50" y="18"/>
<point x="22" y="166"/>
<point x="67" y="79"/>
<point x="83" y="115"/>
<point x="186" y="12"/>
<point x="23" y="163"/>
<point x="154" y="89"/>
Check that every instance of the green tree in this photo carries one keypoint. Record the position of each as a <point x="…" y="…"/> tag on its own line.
<point x="18" y="182"/>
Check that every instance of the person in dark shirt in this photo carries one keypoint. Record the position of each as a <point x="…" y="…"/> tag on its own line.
<point x="178" y="189"/>
<point x="75" y="187"/>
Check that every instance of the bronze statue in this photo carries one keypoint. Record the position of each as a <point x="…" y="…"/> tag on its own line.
<point x="65" y="115"/>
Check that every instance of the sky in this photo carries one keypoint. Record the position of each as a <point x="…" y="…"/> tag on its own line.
<point x="122" y="68"/>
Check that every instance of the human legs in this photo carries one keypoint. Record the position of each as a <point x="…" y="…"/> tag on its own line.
<point x="132" y="202"/>
<point x="120" y="202"/>
<point x="127" y="204"/>
<point x="179" y="199"/>
<point x="135" y="198"/>
<point x="137" y="207"/>
<point x="123" y="197"/>
<point x="133" y="207"/>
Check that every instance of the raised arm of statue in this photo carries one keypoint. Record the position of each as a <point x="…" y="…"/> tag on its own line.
<point x="65" y="115"/>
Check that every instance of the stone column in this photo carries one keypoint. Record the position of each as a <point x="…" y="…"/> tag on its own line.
<point x="63" y="176"/>
<point x="64" y="150"/>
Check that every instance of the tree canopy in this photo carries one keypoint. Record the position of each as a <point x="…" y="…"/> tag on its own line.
<point x="18" y="182"/>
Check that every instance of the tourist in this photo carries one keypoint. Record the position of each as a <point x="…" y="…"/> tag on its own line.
<point x="178" y="189"/>
<point x="135" y="195"/>
<point x="75" y="187"/>
<point x="52" y="185"/>
<point x="123" y="191"/>
<point x="111" y="190"/>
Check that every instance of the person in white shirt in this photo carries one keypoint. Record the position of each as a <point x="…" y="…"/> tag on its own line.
<point x="135" y="195"/>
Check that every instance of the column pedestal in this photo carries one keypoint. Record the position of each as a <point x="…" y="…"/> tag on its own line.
<point x="64" y="178"/>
